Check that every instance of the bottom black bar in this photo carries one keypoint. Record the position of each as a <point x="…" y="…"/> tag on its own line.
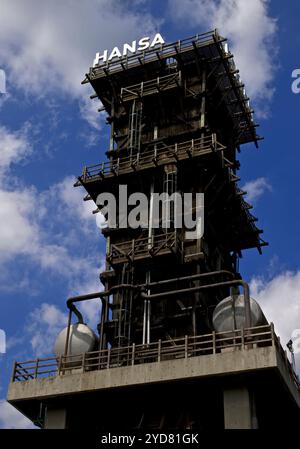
<point x="195" y="439"/>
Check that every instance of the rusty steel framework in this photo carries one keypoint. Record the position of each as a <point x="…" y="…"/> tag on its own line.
<point x="178" y="114"/>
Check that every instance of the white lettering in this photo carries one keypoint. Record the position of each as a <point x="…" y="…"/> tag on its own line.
<point x="127" y="48"/>
<point x="117" y="439"/>
<point x="143" y="44"/>
<point x="98" y="57"/>
<point x="157" y="40"/>
<point x="115" y="53"/>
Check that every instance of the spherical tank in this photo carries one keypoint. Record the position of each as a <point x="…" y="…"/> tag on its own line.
<point x="230" y="315"/>
<point x="81" y="339"/>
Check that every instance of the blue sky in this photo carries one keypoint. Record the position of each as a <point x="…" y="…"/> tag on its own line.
<point x="50" y="246"/>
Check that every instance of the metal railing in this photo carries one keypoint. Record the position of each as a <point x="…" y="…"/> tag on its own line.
<point x="151" y="87"/>
<point x="159" y="351"/>
<point x="164" y="51"/>
<point x="154" y="154"/>
<point x="214" y="52"/>
<point x="143" y="247"/>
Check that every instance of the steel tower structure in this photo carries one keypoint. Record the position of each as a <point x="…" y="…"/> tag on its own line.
<point x="178" y="116"/>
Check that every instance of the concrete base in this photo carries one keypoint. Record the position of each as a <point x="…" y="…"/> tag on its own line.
<point x="55" y="418"/>
<point x="239" y="412"/>
<point x="170" y="370"/>
<point x="229" y="375"/>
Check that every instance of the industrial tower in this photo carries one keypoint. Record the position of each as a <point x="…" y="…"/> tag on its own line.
<point x="165" y="356"/>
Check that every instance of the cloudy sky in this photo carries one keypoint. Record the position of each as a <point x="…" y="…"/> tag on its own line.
<point x="50" y="246"/>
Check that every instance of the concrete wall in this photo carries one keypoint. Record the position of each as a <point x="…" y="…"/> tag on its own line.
<point x="238" y="410"/>
<point x="55" y="418"/>
<point x="195" y="367"/>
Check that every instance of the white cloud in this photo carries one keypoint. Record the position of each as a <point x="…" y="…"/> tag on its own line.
<point x="44" y="324"/>
<point x="14" y="147"/>
<point x="18" y="233"/>
<point x="28" y="222"/>
<point x="279" y="297"/>
<point x="31" y="222"/>
<point x="45" y="228"/>
<point x="251" y="33"/>
<point x="32" y="225"/>
<point x="72" y="199"/>
<point x="256" y="188"/>
<point x="49" y="46"/>
<point x="89" y="110"/>
<point x="10" y="418"/>
<point x="47" y="238"/>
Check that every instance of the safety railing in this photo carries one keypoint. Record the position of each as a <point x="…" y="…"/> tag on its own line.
<point x="144" y="247"/>
<point x="154" y="154"/>
<point x="159" y="351"/>
<point x="151" y="87"/>
<point x="157" y="53"/>
<point x="214" y="51"/>
<point x="284" y="358"/>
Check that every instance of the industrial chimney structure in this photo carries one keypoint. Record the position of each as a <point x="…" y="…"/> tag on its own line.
<point x="180" y="343"/>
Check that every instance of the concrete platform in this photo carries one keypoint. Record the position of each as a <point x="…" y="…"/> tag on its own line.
<point x="222" y="371"/>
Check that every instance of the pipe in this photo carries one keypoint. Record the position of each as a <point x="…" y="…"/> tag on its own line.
<point x="148" y="321"/>
<point x="68" y="333"/>
<point x="73" y="308"/>
<point x="150" y="230"/>
<point x="204" y="287"/>
<point x="157" y="283"/>
<point x="148" y="309"/>
<point x="117" y="287"/>
<point x="106" y="317"/>
<point x="100" y="327"/>
<point x="83" y="298"/>
<point x="95" y="295"/>
<point x="146" y="318"/>
<point x="103" y="294"/>
<point x="144" y="321"/>
<point x="187" y="278"/>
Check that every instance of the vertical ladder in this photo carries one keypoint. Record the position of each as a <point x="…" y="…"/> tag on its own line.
<point x="123" y="330"/>
<point x="135" y="128"/>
